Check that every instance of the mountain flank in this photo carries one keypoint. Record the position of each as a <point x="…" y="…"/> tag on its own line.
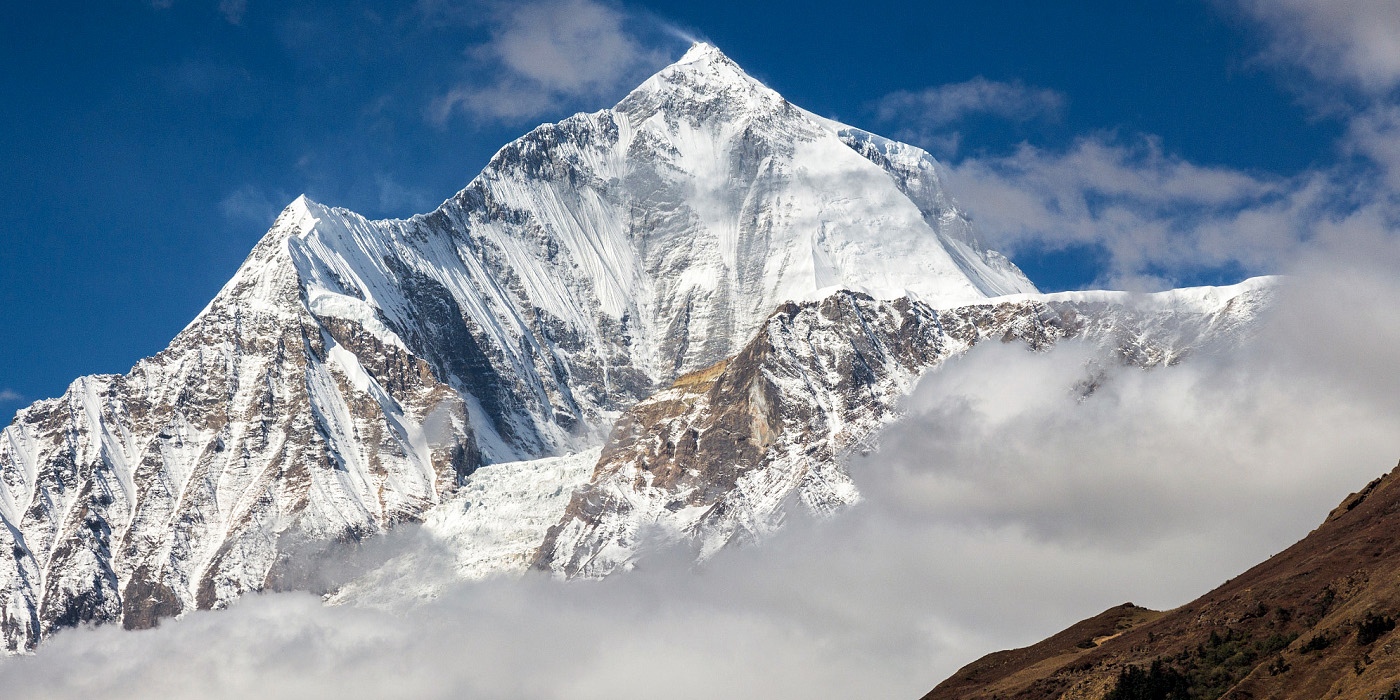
<point x="1314" y="621"/>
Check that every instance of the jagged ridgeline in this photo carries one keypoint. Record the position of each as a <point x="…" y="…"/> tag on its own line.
<point x="677" y="315"/>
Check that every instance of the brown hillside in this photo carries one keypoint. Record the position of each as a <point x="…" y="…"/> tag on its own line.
<point x="1315" y="621"/>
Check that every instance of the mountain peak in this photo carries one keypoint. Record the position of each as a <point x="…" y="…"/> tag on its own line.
<point x="703" y="76"/>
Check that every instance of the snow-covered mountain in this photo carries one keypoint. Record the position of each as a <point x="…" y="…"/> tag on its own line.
<point x="724" y="453"/>
<point x="563" y="344"/>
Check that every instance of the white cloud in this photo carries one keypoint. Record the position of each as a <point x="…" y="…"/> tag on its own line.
<point x="1356" y="42"/>
<point x="9" y="395"/>
<point x="1157" y="218"/>
<point x="543" y="55"/>
<point x="948" y="104"/>
<point x="1374" y="134"/>
<point x="1001" y="510"/>
<point x="928" y="116"/>
<point x="1148" y="210"/>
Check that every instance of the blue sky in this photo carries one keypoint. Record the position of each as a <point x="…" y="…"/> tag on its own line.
<point x="147" y="144"/>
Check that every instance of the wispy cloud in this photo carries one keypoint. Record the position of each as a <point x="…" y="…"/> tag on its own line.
<point x="1374" y="134"/>
<point x="931" y="117"/>
<point x="10" y="396"/>
<point x="1158" y="217"/>
<point x="544" y="54"/>
<point x="1356" y="42"/>
<point x="1152" y="213"/>
<point x="254" y="204"/>
<point x="948" y="104"/>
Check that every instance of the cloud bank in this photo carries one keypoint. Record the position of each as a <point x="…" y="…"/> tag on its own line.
<point x="948" y="104"/>
<point x="1148" y="211"/>
<point x="1349" y="41"/>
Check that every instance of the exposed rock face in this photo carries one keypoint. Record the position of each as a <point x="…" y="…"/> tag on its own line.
<point x="722" y="452"/>
<point x="1316" y="620"/>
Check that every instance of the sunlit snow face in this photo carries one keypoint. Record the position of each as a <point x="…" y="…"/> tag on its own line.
<point x="1005" y="507"/>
